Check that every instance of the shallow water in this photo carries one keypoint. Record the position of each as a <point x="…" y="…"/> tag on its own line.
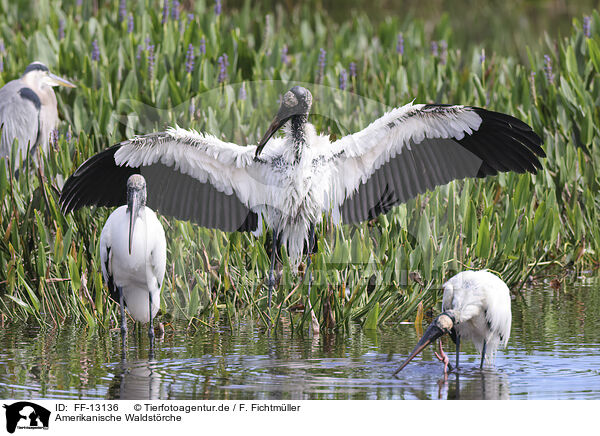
<point x="552" y="354"/>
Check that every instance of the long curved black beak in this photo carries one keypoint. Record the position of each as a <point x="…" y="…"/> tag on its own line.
<point x="133" y="204"/>
<point x="431" y="334"/>
<point x="280" y="119"/>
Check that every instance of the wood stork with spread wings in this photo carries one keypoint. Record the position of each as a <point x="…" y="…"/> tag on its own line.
<point x="476" y="307"/>
<point x="291" y="182"/>
<point x="133" y="251"/>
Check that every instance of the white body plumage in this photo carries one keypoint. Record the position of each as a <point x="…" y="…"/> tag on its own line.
<point x="139" y="274"/>
<point x="480" y="304"/>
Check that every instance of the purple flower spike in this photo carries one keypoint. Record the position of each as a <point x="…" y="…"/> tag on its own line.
<point x="434" y="48"/>
<point x="352" y="68"/>
<point x="122" y="10"/>
<point x="242" y="92"/>
<point x="165" y="12"/>
<point x="322" y="61"/>
<point x="343" y="79"/>
<point x="482" y="56"/>
<point x="175" y="10"/>
<point x="548" y="69"/>
<point x="1" y="65"/>
<point x="190" y="17"/>
<point x="202" y="49"/>
<point x="95" y="51"/>
<point x="151" y="60"/>
<point x="2" y="47"/>
<point x="400" y="44"/>
<point x="223" y="64"/>
<point x="61" y="29"/>
<point x="444" y="53"/>
<point x="192" y="109"/>
<point x="130" y="24"/>
<point x="218" y="7"/>
<point x="285" y="60"/>
<point x="189" y="59"/>
<point x="587" y="21"/>
<point x="68" y="136"/>
<point x="140" y="49"/>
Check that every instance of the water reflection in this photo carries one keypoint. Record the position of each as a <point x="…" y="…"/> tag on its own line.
<point x="552" y="354"/>
<point x="137" y="380"/>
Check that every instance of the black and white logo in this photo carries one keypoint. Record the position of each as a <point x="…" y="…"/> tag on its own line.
<point x="26" y="415"/>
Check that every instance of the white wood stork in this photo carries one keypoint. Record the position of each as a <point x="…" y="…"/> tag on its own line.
<point x="476" y="307"/>
<point x="133" y="251"/>
<point x="290" y="182"/>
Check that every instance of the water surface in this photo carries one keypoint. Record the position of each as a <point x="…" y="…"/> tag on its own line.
<point x="553" y="353"/>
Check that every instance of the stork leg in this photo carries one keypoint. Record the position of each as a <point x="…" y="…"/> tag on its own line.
<point x="457" y="349"/>
<point x="150" y="324"/>
<point x="123" y="319"/>
<point x="271" y="279"/>
<point x="483" y="354"/>
<point x="311" y="240"/>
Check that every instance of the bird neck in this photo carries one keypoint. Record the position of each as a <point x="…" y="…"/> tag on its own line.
<point x="298" y="134"/>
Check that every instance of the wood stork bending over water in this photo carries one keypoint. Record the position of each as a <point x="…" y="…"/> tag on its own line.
<point x="476" y="307"/>
<point x="133" y="251"/>
<point x="28" y="110"/>
<point x="291" y="182"/>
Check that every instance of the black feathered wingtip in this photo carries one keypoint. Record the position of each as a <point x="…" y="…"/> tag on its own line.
<point x="97" y="182"/>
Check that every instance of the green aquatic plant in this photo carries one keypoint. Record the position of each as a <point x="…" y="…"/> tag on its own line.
<point x="156" y="70"/>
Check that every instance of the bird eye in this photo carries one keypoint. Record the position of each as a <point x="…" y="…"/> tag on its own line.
<point x="289" y="99"/>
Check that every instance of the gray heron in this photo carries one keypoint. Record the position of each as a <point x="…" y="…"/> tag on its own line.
<point x="475" y="307"/>
<point x="291" y="182"/>
<point x="28" y="110"/>
<point x="133" y="252"/>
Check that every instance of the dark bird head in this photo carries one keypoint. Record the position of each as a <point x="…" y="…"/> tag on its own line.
<point x="136" y="201"/>
<point x="39" y="74"/>
<point x="296" y="102"/>
<point x="443" y="324"/>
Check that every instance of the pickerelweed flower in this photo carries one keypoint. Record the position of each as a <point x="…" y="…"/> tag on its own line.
<point x="54" y="137"/>
<point x="400" y="44"/>
<point x="285" y="60"/>
<point x="587" y="26"/>
<point x="548" y="68"/>
<point x="122" y="10"/>
<point x="444" y="52"/>
<point x="352" y="69"/>
<point x="175" y="10"/>
<point x="151" y="60"/>
<point x="165" y="12"/>
<point x="434" y="48"/>
<point x="482" y="56"/>
<point x="322" y="62"/>
<point x="190" y="17"/>
<point x="140" y="49"/>
<point x="61" y="29"/>
<point x="95" y="51"/>
<point x="242" y="92"/>
<point x="223" y="64"/>
<point x="189" y="59"/>
<point x="68" y="135"/>
<point x="130" y="23"/>
<point x="343" y="79"/>
<point x="2" y="47"/>
<point x="218" y="7"/>
<point x="202" y="48"/>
